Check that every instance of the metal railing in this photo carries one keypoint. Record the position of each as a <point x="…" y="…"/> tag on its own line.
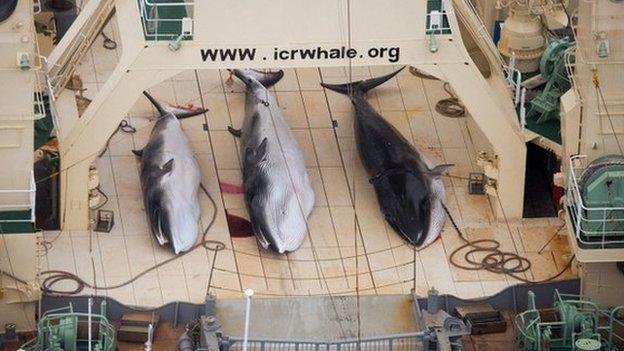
<point x="398" y="342"/>
<point x="535" y="333"/>
<point x="436" y="20"/>
<point x="61" y="68"/>
<point x="167" y="20"/>
<point x="513" y="78"/>
<point x="616" y="323"/>
<point x="14" y="207"/>
<point x="46" y="85"/>
<point x="595" y="227"/>
<point x="65" y="322"/>
<point x="41" y="85"/>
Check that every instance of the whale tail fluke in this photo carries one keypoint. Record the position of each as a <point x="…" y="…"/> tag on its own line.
<point x="361" y="86"/>
<point x="156" y="103"/>
<point x="180" y="113"/>
<point x="267" y="79"/>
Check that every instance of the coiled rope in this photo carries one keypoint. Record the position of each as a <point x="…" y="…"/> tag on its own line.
<point x="449" y="107"/>
<point x="495" y="260"/>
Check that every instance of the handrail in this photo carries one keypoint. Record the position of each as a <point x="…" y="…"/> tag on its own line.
<point x="612" y="318"/>
<point x="531" y="330"/>
<point x="147" y="2"/>
<point x="58" y="317"/>
<point x="31" y="191"/>
<point x="387" y="342"/>
<point x="582" y="212"/>
<point x="150" y="21"/>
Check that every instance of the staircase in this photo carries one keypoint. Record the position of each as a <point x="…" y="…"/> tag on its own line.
<point x="72" y="48"/>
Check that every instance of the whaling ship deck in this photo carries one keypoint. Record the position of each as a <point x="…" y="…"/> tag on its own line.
<point x="346" y="212"/>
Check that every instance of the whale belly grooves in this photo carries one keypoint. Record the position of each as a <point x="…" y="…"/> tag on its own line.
<point x="278" y="191"/>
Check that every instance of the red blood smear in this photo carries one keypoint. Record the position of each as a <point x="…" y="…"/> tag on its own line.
<point x="228" y="188"/>
<point x="557" y="194"/>
<point x="239" y="227"/>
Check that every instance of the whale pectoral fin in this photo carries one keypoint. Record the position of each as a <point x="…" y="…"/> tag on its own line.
<point x="262" y="239"/>
<point x="138" y="153"/>
<point x="235" y="132"/>
<point x="167" y="167"/>
<point x="438" y="170"/>
<point x="254" y="156"/>
<point x="262" y="148"/>
<point x="156" y="225"/>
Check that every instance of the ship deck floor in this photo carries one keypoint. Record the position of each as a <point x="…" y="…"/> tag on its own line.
<point x="344" y="224"/>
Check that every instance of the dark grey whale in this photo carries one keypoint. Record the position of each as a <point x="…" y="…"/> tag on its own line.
<point x="7" y="7"/>
<point x="410" y="193"/>
<point x="170" y="180"/>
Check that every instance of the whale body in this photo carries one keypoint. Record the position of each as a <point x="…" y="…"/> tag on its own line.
<point x="409" y="193"/>
<point x="170" y="180"/>
<point x="278" y="192"/>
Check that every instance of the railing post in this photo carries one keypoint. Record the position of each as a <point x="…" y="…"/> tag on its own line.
<point x="248" y="294"/>
<point x="604" y="226"/>
<point x="150" y="335"/>
<point x="523" y="108"/>
<point x="518" y="87"/>
<point x="89" y="305"/>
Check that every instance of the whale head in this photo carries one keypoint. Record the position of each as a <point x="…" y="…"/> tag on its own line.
<point x="274" y="208"/>
<point x="277" y="218"/>
<point x="406" y="203"/>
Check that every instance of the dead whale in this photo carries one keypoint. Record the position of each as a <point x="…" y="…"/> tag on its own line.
<point x="7" y="7"/>
<point x="409" y="193"/>
<point x="278" y="191"/>
<point x="170" y="180"/>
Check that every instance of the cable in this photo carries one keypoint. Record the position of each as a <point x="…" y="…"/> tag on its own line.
<point x="451" y="106"/>
<point x="495" y="260"/>
<point x="125" y="127"/>
<point x="56" y="276"/>
<point x="3" y="273"/>
<point x="102" y="203"/>
<point x="420" y="74"/>
<point x="108" y="43"/>
<point x="596" y="81"/>
<point x="312" y="244"/>
<point x="355" y="234"/>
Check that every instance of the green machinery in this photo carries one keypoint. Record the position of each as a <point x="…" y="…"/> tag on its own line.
<point x="573" y="323"/>
<point x="65" y="330"/>
<point x="552" y="68"/>
<point x="602" y="190"/>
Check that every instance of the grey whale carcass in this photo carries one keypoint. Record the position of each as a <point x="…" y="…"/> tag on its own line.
<point x="409" y="193"/>
<point x="278" y="191"/>
<point x="170" y="180"/>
